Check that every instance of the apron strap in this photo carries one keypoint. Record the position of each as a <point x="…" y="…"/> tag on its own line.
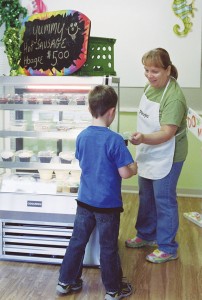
<point x="165" y="90"/>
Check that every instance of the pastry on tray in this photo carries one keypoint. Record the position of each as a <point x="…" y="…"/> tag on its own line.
<point x="7" y="155"/>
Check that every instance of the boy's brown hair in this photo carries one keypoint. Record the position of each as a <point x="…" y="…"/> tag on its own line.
<point x="101" y="98"/>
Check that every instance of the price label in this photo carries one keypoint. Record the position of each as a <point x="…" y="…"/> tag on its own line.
<point x="194" y="123"/>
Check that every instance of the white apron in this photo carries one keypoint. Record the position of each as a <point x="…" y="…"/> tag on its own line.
<point x="154" y="161"/>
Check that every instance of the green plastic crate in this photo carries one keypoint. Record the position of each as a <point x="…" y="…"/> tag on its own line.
<point x="100" y="58"/>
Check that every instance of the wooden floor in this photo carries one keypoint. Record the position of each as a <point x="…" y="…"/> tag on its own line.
<point x="177" y="280"/>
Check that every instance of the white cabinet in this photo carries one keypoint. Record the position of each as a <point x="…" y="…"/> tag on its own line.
<point x="40" y="120"/>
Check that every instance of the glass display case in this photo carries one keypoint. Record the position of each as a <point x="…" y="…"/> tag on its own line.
<point x="40" y="118"/>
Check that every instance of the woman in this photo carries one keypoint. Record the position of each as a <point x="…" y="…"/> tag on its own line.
<point x="161" y="151"/>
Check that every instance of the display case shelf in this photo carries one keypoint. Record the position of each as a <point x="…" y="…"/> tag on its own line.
<point x="43" y="107"/>
<point x="57" y="135"/>
<point x="37" y="166"/>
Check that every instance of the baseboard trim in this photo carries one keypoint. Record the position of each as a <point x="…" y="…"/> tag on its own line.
<point x="129" y="189"/>
<point x="180" y="192"/>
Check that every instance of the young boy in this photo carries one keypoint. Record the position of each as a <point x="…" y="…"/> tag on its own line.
<point x="104" y="159"/>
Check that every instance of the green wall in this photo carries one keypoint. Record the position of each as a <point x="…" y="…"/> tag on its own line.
<point x="190" y="181"/>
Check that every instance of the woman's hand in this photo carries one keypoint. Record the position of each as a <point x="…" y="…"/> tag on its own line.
<point x="163" y="135"/>
<point x="136" y="138"/>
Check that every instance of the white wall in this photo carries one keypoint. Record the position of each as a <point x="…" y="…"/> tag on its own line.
<point x="139" y="26"/>
<point x="4" y="67"/>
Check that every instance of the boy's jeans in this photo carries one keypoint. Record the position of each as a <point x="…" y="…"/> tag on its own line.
<point x="108" y="228"/>
<point x="158" y="210"/>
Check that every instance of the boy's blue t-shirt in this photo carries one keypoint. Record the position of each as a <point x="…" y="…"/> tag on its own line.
<point x="101" y="152"/>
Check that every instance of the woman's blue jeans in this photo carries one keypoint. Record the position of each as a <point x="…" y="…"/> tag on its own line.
<point x="108" y="228"/>
<point x="158" y="210"/>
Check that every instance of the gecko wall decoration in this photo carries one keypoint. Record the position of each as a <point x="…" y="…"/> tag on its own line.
<point x="183" y="10"/>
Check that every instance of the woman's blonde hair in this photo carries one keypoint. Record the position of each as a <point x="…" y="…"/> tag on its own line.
<point x="159" y="58"/>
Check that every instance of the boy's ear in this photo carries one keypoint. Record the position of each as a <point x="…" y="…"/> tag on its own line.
<point x="112" y="110"/>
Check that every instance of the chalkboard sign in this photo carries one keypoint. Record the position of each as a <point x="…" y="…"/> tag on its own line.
<point x="54" y="43"/>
